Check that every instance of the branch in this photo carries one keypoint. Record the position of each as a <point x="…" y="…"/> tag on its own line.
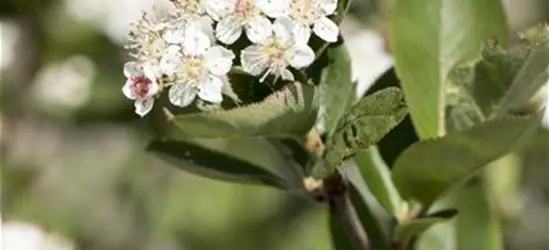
<point x="342" y="208"/>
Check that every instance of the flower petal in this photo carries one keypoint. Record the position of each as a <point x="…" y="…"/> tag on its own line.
<point x="259" y="29"/>
<point x="170" y="60"/>
<point x="196" y="42"/>
<point x="274" y="8"/>
<point x="326" y="29"/>
<point x="283" y="29"/>
<point x="150" y="71"/>
<point x="300" y="56"/>
<point x="285" y="74"/>
<point x="142" y="107"/>
<point x="218" y="9"/>
<point x="132" y="69"/>
<point x="174" y="35"/>
<point x="328" y="6"/>
<point x="181" y="94"/>
<point x="210" y="89"/>
<point x="302" y="32"/>
<point x="127" y="89"/>
<point x="228" y="30"/>
<point x="254" y="60"/>
<point x="219" y="60"/>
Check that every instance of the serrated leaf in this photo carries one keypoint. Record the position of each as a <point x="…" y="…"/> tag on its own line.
<point x="214" y="164"/>
<point x="451" y="31"/>
<point x="365" y="124"/>
<point x="427" y="169"/>
<point x="336" y="86"/>
<point x="289" y="112"/>
<point x="501" y="81"/>
<point x="404" y="232"/>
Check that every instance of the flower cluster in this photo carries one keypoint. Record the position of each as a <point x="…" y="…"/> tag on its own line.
<point x="184" y="49"/>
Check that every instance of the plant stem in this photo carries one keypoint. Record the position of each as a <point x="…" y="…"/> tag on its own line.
<point x="342" y="208"/>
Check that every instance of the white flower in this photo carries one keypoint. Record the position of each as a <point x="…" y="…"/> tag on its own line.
<point x="236" y="15"/>
<point x="198" y="69"/>
<point x="141" y="86"/>
<point x="190" y="7"/>
<point x="175" y="31"/>
<point x="276" y="52"/>
<point x="307" y="13"/>
<point x="145" y="40"/>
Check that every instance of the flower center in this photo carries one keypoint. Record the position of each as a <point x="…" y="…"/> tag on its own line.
<point x="192" y="70"/>
<point x="140" y="86"/>
<point x="306" y="11"/>
<point x="188" y="5"/>
<point x="275" y="50"/>
<point x="245" y="10"/>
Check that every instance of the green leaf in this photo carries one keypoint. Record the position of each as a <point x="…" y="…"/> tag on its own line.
<point x="503" y="79"/>
<point x="477" y="227"/>
<point x="336" y="86"/>
<point x="286" y="113"/>
<point x="450" y="31"/>
<point x="404" y="232"/>
<point x="404" y="134"/>
<point x="365" y="124"/>
<point x="214" y="164"/>
<point x="429" y="168"/>
<point x="378" y="178"/>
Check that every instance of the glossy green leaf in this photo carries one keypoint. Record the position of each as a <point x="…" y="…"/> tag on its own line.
<point x="377" y="177"/>
<point x="406" y="231"/>
<point x="336" y="86"/>
<point x="429" y="168"/>
<point x="365" y="124"/>
<point x="214" y="164"/>
<point x="451" y="31"/>
<point x="289" y="112"/>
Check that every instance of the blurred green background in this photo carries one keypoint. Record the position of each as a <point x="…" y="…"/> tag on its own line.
<point x="73" y="160"/>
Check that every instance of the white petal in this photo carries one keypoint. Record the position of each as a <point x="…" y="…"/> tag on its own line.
<point x="142" y="107"/>
<point x="196" y="42"/>
<point x="326" y="29"/>
<point x="170" y="60"/>
<point x="218" y="9"/>
<point x="328" y="6"/>
<point x="150" y="71"/>
<point x="282" y="28"/>
<point x="153" y="89"/>
<point x="182" y="94"/>
<point x="274" y="8"/>
<point x="259" y="29"/>
<point x="127" y="89"/>
<point x="205" y="24"/>
<point x="210" y="89"/>
<point x="228" y="30"/>
<point x="286" y="74"/>
<point x="174" y="35"/>
<point x="300" y="55"/>
<point x="302" y="32"/>
<point x="132" y="69"/>
<point x="219" y="60"/>
<point x="254" y="60"/>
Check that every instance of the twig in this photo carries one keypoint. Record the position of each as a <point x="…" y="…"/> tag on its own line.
<point x="342" y="208"/>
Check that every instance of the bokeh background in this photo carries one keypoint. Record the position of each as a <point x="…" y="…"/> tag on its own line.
<point x="74" y="173"/>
